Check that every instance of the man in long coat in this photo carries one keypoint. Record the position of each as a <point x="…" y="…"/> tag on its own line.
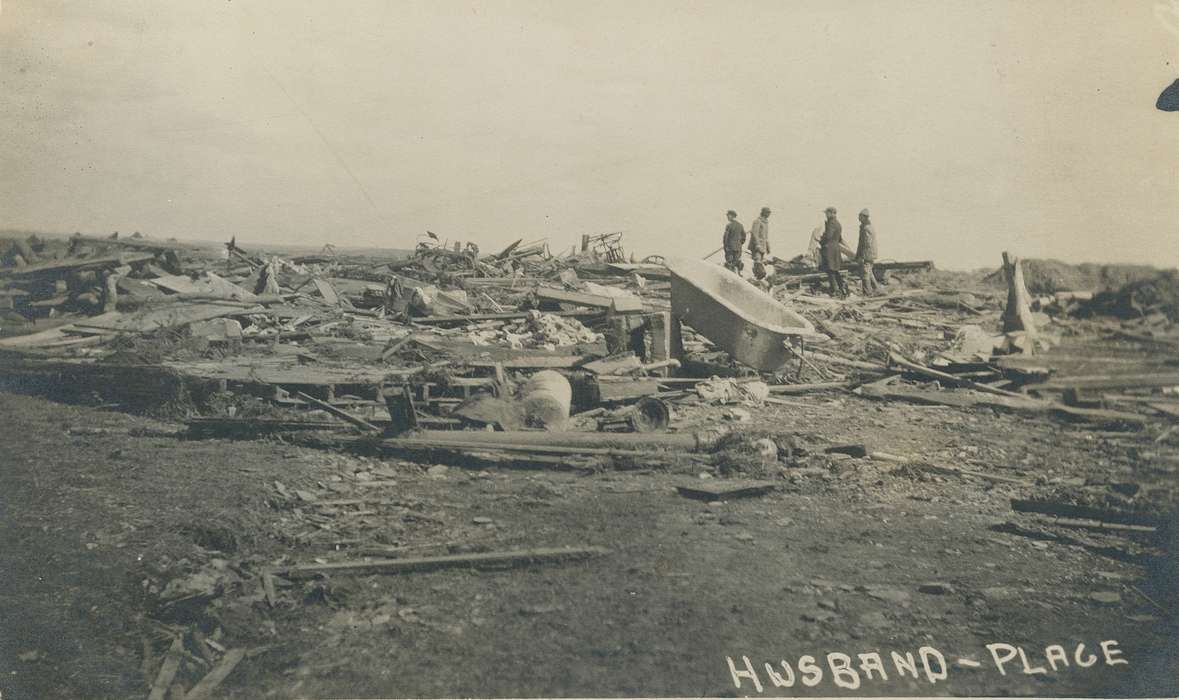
<point x="832" y="256"/>
<point x="866" y="254"/>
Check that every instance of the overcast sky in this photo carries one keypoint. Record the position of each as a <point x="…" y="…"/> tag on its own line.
<point x="967" y="128"/>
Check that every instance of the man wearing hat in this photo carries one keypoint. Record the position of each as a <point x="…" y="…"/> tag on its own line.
<point x="733" y="240"/>
<point x="866" y="254"/>
<point x="832" y="257"/>
<point x="759" y="242"/>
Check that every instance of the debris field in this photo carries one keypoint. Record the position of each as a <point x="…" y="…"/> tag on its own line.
<point x="233" y="472"/>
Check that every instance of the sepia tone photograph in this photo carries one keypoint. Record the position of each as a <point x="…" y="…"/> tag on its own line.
<point x="541" y="348"/>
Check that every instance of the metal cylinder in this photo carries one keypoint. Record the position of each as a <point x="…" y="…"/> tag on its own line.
<point x="547" y="397"/>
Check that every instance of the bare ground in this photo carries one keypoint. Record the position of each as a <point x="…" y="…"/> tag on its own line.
<point x="101" y="524"/>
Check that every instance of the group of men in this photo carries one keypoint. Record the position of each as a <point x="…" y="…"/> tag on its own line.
<point x="826" y="248"/>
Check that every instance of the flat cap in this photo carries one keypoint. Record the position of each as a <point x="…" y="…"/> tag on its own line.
<point x="863" y="212"/>
<point x="765" y="210"/>
<point x="730" y="213"/>
<point x="829" y="210"/>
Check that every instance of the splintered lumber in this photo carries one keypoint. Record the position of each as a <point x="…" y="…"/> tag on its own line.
<point x="610" y="389"/>
<point x="395" y="346"/>
<point x="417" y="444"/>
<point x="167" y="317"/>
<point x="167" y="670"/>
<point x="539" y="441"/>
<point x="343" y="415"/>
<point x="515" y="316"/>
<point x="529" y="362"/>
<point x="1069" y="510"/>
<point x="1111" y="381"/>
<point x="915" y="368"/>
<point x="205" y="687"/>
<point x="856" y="364"/>
<point x="399" y="566"/>
<point x="1018" y="314"/>
<point x="1127" y="552"/>
<point x="959" y="471"/>
<point x="326" y="291"/>
<point x="808" y="388"/>
<point x="72" y="264"/>
<point x="1017" y="402"/>
<point x="218" y="425"/>
<point x="614" y="364"/>
<point x="581" y="299"/>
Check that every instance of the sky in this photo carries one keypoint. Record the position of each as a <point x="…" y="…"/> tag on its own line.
<point x="967" y="128"/>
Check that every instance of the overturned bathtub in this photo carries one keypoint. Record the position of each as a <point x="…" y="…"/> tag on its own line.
<point x="737" y="317"/>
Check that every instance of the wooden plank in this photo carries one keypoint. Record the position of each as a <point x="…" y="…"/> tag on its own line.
<point x="626" y="389"/>
<point x="167" y="670"/>
<point x="343" y="415"/>
<point x="1110" y="381"/>
<point x="71" y="264"/>
<point x="166" y="317"/>
<point x="614" y="365"/>
<point x="533" y="362"/>
<point x="721" y="490"/>
<point x="896" y="359"/>
<point x="515" y="316"/>
<point x="1070" y="510"/>
<point x="808" y="388"/>
<point x="177" y="283"/>
<point x="205" y="687"/>
<point x="398" y="566"/>
<point x="325" y="289"/>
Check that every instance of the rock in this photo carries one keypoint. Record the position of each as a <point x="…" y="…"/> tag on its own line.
<point x="818" y="616"/>
<point x="890" y="595"/>
<point x="738" y="415"/>
<point x="482" y="520"/>
<point x="874" y="620"/>
<point x="743" y="537"/>
<point x="827" y="604"/>
<point x="438" y="471"/>
<point x="935" y="588"/>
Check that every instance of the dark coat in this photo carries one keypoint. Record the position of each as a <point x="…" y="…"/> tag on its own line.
<point x="829" y="243"/>
<point x="734" y="236"/>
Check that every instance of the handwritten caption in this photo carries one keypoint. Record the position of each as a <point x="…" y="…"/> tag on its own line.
<point x="927" y="663"/>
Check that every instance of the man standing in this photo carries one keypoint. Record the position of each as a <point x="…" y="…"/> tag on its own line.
<point x="759" y="236"/>
<point x="734" y="239"/>
<point x="759" y="242"/>
<point x="832" y="256"/>
<point x="866" y="254"/>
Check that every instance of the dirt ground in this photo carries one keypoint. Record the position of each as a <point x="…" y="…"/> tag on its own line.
<point x="117" y="535"/>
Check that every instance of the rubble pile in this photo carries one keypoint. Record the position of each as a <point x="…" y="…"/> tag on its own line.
<point x="351" y="331"/>
<point x="577" y="362"/>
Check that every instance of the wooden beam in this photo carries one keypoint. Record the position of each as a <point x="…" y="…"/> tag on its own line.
<point x="343" y="415"/>
<point x="167" y="670"/>
<point x="896" y="359"/>
<point x="515" y="316"/>
<point x="398" y="566"/>
<point x="205" y="687"/>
